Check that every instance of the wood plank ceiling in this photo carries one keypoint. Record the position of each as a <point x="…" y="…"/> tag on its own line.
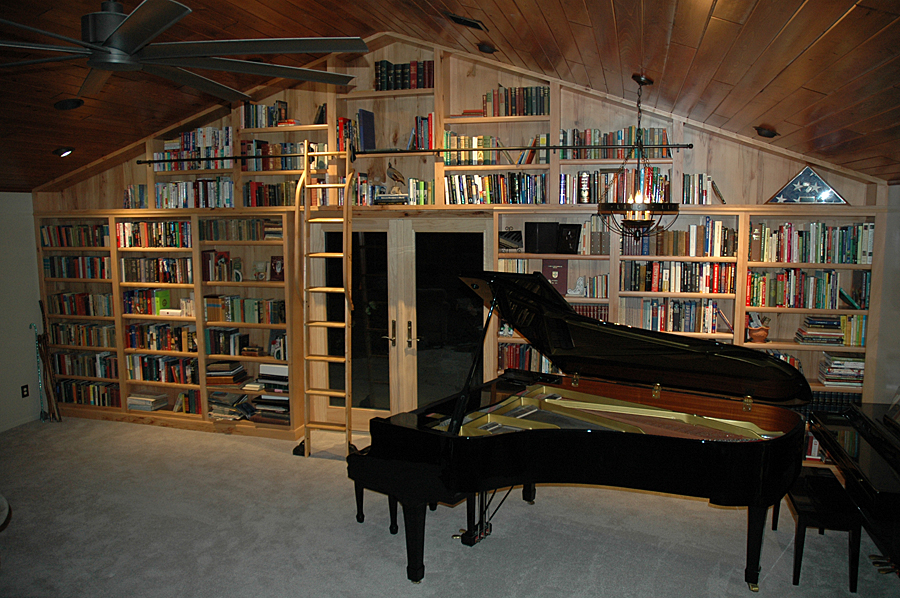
<point x="823" y="73"/>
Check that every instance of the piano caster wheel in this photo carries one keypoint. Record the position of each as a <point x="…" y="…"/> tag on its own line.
<point x="394" y="529"/>
<point x="754" y="587"/>
<point x="360" y="518"/>
<point x="530" y="502"/>
<point x="459" y="535"/>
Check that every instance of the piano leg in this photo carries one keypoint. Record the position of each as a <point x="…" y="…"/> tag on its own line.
<point x="756" y="524"/>
<point x="392" y="508"/>
<point x="358" y="488"/>
<point x="414" y="526"/>
<point x="528" y="493"/>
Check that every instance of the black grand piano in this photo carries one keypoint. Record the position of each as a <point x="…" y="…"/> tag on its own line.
<point x="634" y="409"/>
<point x="864" y="443"/>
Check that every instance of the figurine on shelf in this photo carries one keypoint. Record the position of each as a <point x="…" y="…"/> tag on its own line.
<point x="397" y="176"/>
<point x="578" y="291"/>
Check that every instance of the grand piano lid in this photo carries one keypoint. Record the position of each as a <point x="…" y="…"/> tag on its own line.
<point x="583" y="346"/>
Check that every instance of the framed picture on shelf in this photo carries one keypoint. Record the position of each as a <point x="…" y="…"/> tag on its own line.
<point x="260" y="270"/>
<point x="276" y="268"/>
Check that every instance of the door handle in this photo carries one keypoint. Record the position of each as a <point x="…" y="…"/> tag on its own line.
<point x="393" y="336"/>
<point x="409" y="335"/>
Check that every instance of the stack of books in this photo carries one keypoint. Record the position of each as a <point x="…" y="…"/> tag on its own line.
<point x="147" y="402"/>
<point x="225" y="373"/>
<point x="273" y="404"/>
<point x="229" y="405"/>
<point x="820" y="330"/>
<point x="841" y="370"/>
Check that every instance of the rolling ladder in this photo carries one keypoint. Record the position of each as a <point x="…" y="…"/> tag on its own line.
<point x="321" y="214"/>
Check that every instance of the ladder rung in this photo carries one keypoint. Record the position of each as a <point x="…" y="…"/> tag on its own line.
<point x="324" y="220"/>
<point x="326" y="392"/>
<point x="325" y="290"/>
<point x="326" y="324"/>
<point x="325" y="185"/>
<point x="324" y="254"/>
<point x="328" y="358"/>
<point x="326" y="426"/>
<point x="334" y="153"/>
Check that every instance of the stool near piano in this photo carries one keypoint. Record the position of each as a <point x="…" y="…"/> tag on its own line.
<point x="818" y="500"/>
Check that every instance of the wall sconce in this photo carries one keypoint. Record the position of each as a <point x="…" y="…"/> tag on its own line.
<point x="62" y="152"/>
<point x="69" y="104"/>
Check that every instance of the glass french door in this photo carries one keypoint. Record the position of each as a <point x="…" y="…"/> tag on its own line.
<point x="416" y="329"/>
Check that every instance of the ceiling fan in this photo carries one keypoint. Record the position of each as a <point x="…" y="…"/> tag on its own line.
<point x="114" y="41"/>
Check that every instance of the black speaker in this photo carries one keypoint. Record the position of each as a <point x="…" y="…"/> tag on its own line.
<point x="541" y="237"/>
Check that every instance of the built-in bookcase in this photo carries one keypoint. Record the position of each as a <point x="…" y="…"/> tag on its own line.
<point x="89" y="317"/>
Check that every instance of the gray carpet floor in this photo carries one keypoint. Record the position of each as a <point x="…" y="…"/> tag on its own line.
<point x="106" y="509"/>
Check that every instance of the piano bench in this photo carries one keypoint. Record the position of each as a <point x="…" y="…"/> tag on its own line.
<point x="818" y="500"/>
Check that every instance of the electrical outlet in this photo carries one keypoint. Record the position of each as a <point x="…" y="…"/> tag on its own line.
<point x="24" y="390"/>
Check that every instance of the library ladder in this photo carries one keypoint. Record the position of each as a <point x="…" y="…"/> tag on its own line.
<point x="327" y="304"/>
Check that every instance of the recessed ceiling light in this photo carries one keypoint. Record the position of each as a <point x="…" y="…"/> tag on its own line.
<point x="765" y="131"/>
<point x="69" y="104"/>
<point x="62" y="152"/>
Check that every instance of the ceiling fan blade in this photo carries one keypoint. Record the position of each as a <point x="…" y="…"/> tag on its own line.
<point x="183" y="77"/>
<point x="94" y="82"/>
<point x="39" y="61"/>
<point x="256" y="68"/>
<point x="237" y="47"/>
<point x="55" y="36"/>
<point x="43" y="47"/>
<point x="148" y="20"/>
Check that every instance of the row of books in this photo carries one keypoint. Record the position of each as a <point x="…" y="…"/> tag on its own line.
<point x="596" y="311"/>
<point x="234" y="308"/>
<point x="591" y="187"/>
<point x="74" y="235"/>
<point x="328" y="196"/>
<point x="711" y="239"/>
<point x="415" y="74"/>
<point x="84" y="334"/>
<point x="215" y="192"/>
<point x="88" y="392"/>
<point x="670" y="315"/>
<point x="211" y="144"/>
<point x="162" y="368"/>
<point x="154" y="233"/>
<point x="166" y="270"/>
<point x="785" y="357"/>
<point x="524" y="357"/>
<point x="812" y="243"/>
<point x="797" y="288"/>
<point x="162" y="336"/>
<point x="623" y="137"/>
<point x="257" y="194"/>
<point x="80" y="304"/>
<point x="498" y="188"/>
<point x="422" y="135"/>
<point x="241" y="229"/>
<point x="135" y="197"/>
<point x="677" y="277"/>
<point x="225" y="373"/>
<point x="844" y="330"/>
<point x="90" y="364"/>
<point x="828" y="401"/>
<point x="146" y="301"/>
<point x="219" y="266"/>
<point x="844" y="369"/>
<point x="530" y="100"/>
<point x="187" y="402"/>
<point x="698" y="189"/>
<point x="83" y="266"/>
<point x="258" y="116"/>
<point x="480" y="150"/>
<point x="285" y="155"/>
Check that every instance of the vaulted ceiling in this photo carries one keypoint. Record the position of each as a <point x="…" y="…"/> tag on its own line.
<point x="825" y="74"/>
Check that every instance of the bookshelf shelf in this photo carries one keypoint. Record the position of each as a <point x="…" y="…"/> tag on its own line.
<point x="280" y="130"/>
<point x="80" y="280"/>
<point x="676" y="258"/>
<point x="677" y="295"/>
<point x="140" y="351"/>
<point x="248" y="325"/>
<point x="787" y="345"/>
<point x="81" y="348"/>
<point x="174" y="385"/>
<point x="809" y="265"/>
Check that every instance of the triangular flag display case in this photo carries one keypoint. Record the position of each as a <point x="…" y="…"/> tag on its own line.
<point x="807" y="187"/>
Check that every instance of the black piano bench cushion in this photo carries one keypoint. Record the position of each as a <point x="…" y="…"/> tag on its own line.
<point x="818" y="500"/>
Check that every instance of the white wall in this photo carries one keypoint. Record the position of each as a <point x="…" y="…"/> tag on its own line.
<point x="19" y="295"/>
